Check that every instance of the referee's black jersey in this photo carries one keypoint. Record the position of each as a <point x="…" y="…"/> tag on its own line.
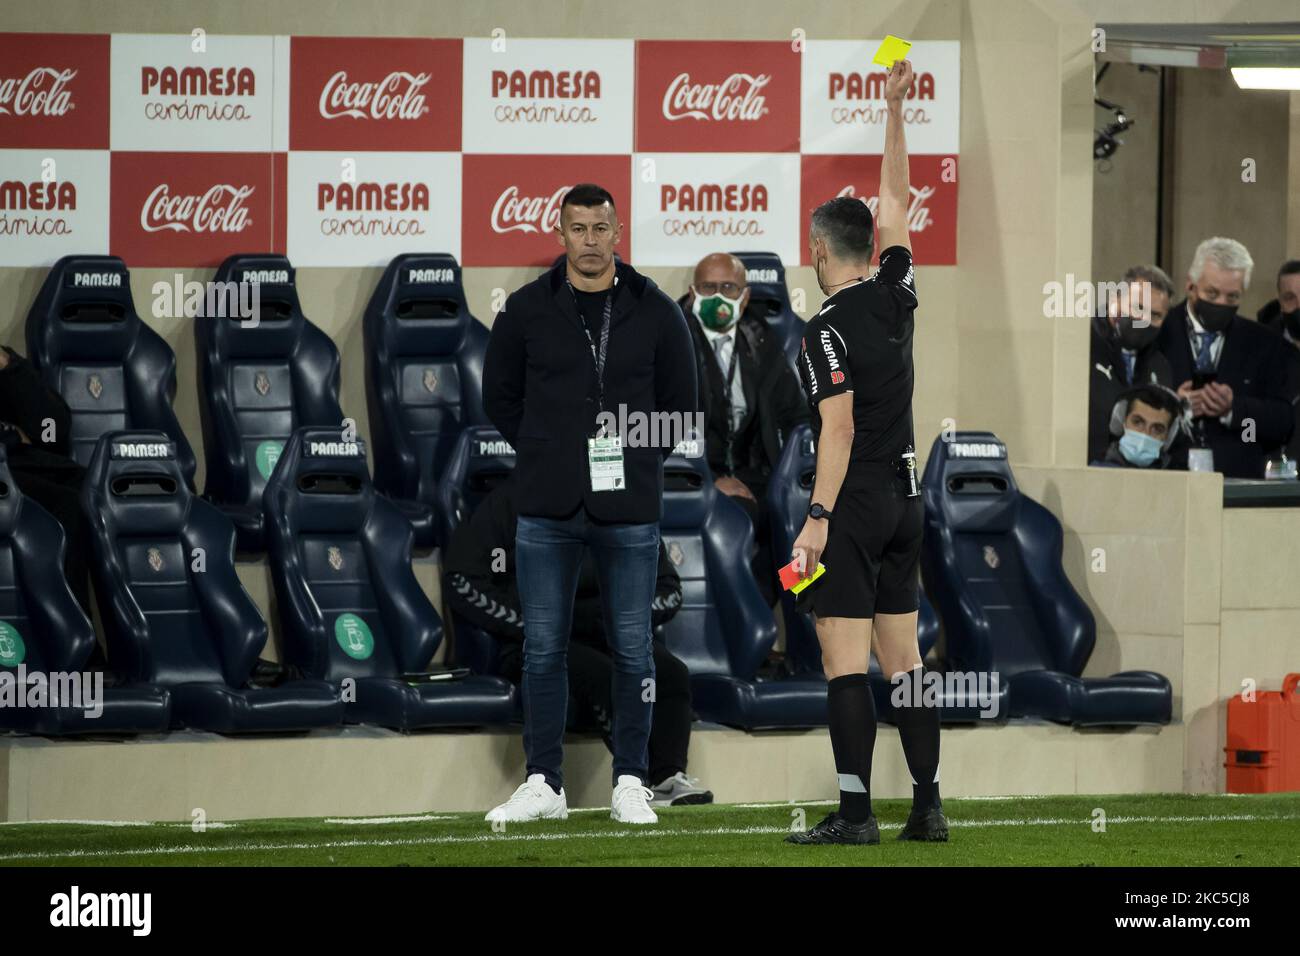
<point x="861" y="342"/>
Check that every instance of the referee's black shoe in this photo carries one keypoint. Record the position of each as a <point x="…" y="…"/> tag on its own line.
<point x="928" y="826"/>
<point x="835" y="829"/>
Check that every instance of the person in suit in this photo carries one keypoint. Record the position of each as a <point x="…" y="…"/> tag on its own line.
<point x="1144" y="424"/>
<point x="1123" y="350"/>
<point x="1228" y="368"/>
<point x="1282" y="315"/>
<point x="749" y="396"/>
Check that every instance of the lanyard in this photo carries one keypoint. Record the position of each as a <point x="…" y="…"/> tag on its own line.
<point x="597" y="357"/>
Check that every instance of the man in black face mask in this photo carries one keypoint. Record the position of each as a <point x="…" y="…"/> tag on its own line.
<point x="1282" y="315"/>
<point x="1123" y="352"/>
<point x="1228" y="368"/>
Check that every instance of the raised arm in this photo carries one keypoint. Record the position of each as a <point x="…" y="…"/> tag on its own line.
<point x="891" y="211"/>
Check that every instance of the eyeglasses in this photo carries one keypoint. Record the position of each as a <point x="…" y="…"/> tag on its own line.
<point x="729" y="289"/>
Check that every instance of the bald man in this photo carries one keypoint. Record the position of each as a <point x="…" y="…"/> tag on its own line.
<point x="749" y="395"/>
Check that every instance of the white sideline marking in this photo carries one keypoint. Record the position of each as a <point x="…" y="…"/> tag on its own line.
<point x="80" y="823"/>
<point x="549" y="837"/>
<point x="215" y="825"/>
<point x="375" y="820"/>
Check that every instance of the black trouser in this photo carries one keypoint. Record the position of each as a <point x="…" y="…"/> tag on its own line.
<point x="591" y="673"/>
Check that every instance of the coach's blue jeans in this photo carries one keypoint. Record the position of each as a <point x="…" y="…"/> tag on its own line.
<point x="548" y="558"/>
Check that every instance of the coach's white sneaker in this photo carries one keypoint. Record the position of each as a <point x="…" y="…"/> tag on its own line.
<point x="631" y="803"/>
<point x="534" y="800"/>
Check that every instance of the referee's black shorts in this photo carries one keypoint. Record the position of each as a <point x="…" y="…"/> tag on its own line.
<point x="873" y="548"/>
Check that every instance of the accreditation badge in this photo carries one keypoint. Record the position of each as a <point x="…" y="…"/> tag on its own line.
<point x="605" y="458"/>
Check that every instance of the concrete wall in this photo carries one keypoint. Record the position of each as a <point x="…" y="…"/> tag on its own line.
<point x="1145" y="551"/>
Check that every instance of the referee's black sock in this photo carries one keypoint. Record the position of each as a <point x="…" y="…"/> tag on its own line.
<point x="853" y="737"/>
<point x="918" y="727"/>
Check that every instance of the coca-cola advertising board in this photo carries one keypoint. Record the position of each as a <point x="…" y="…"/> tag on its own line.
<point x="932" y="206"/>
<point x="54" y="90"/>
<point x="367" y="208"/>
<point x="687" y="205"/>
<point x="548" y="96"/>
<point x="716" y="96"/>
<point x="843" y="106"/>
<point x="345" y="151"/>
<point x="189" y="93"/>
<point x="512" y="208"/>
<point x="192" y="209"/>
<point x="365" y="93"/>
<point x="52" y="203"/>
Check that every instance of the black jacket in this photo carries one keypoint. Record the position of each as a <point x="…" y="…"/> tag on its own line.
<point x="540" y="391"/>
<point x="489" y="598"/>
<point x="27" y="403"/>
<point x="1271" y="317"/>
<point x="773" y="399"/>
<point x="1253" y="363"/>
<point x="1106" y="381"/>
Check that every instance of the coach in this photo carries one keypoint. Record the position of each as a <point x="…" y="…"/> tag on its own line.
<point x="590" y="335"/>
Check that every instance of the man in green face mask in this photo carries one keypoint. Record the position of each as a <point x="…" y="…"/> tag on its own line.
<point x="749" y="395"/>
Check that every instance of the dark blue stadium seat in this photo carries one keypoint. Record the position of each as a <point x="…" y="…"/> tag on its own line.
<point x="113" y="370"/>
<point x="479" y="460"/>
<point x="349" y="604"/>
<point x="787" y="498"/>
<point x="724" y="631"/>
<point x="44" y="630"/>
<point x="174" y="610"/>
<point x="257" y="383"/>
<point x="992" y="563"/>
<point x="424" y="378"/>
<point x="769" y="298"/>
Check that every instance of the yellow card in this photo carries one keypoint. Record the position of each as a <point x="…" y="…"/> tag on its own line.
<point x="821" y="569"/>
<point x="893" y="48"/>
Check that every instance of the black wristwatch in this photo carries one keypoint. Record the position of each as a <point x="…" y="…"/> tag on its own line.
<point x="817" y="511"/>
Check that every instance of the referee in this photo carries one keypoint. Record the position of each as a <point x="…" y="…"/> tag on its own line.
<point x="865" y="518"/>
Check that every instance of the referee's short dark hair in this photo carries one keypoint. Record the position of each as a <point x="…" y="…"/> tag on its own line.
<point x="588" y="195"/>
<point x="845" y="223"/>
<point x="1289" y="268"/>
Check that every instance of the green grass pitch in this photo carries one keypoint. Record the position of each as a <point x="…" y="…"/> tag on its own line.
<point x="1140" y="830"/>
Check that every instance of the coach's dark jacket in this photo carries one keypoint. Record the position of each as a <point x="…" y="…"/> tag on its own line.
<point x="540" y="391"/>
<point x="1253" y="363"/>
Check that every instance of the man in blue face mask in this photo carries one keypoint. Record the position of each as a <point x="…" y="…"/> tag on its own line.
<point x="1145" y="422"/>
